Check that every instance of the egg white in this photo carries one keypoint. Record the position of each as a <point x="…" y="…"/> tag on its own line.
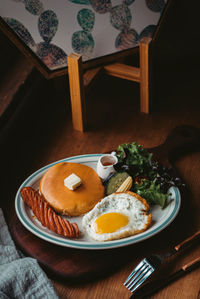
<point x="123" y="203"/>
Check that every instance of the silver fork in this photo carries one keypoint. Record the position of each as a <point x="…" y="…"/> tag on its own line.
<point x="148" y="265"/>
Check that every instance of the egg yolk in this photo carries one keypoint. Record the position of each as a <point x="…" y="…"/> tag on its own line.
<point x="110" y="222"/>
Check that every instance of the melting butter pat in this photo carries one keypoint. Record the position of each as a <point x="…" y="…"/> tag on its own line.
<point x="72" y="181"/>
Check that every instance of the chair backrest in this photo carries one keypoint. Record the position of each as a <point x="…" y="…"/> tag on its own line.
<point x="92" y="28"/>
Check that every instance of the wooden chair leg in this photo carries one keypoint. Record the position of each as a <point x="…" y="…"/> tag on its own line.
<point x="144" y="75"/>
<point x="77" y="93"/>
<point x="79" y="81"/>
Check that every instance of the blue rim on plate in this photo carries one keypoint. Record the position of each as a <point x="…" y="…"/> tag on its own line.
<point x="168" y="214"/>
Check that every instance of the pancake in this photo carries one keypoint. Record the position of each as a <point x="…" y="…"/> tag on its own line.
<point x="66" y="201"/>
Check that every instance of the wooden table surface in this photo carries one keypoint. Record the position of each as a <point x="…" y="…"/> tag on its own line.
<point x="41" y="133"/>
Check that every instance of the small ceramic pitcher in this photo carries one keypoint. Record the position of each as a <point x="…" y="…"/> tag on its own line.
<point x="105" y="165"/>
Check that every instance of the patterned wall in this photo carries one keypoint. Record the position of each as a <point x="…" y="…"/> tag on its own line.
<point x="52" y="29"/>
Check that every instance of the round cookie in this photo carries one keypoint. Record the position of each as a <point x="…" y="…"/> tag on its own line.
<point x="66" y="201"/>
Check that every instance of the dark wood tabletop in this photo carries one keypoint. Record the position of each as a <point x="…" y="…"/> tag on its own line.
<point x="40" y="132"/>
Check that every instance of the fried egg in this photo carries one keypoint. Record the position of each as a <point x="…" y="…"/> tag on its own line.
<point x="117" y="216"/>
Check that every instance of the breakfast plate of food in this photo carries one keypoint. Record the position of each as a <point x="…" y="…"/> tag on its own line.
<point x="99" y="201"/>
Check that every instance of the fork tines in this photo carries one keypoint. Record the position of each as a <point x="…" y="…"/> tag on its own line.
<point x="139" y="275"/>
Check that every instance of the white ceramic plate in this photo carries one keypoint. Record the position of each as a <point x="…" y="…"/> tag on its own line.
<point x="161" y="218"/>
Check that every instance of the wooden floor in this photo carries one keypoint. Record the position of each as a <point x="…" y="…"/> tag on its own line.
<point x="41" y="132"/>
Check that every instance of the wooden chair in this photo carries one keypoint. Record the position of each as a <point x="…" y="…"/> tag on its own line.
<point x="82" y="73"/>
<point x="79" y="81"/>
<point x="80" y="78"/>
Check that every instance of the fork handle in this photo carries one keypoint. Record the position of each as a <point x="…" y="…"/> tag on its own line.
<point x="188" y="241"/>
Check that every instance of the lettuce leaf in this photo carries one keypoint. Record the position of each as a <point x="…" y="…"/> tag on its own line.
<point x="138" y="162"/>
<point x="151" y="192"/>
<point x="137" y="158"/>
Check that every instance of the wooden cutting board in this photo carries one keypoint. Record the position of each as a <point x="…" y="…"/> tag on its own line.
<point x="76" y="264"/>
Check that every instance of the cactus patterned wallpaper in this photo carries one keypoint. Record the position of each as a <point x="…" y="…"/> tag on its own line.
<point x="53" y="29"/>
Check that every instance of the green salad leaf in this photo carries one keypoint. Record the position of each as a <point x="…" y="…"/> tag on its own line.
<point x="151" y="192"/>
<point x="138" y="159"/>
<point x="154" y="181"/>
<point x="133" y="154"/>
